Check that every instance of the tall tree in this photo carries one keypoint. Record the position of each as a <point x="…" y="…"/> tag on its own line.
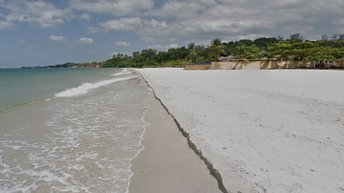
<point x="192" y="52"/>
<point x="296" y="37"/>
<point x="324" y="37"/>
<point x="216" y="49"/>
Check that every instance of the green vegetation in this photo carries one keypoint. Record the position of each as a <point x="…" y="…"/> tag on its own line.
<point x="295" y="48"/>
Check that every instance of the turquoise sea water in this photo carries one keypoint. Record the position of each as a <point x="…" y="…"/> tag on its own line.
<point x="22" y="86"/>
<point x="70" y="130"/>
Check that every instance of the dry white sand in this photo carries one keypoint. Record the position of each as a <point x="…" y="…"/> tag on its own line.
<point x="167" y="164"/>
<point x="265" y="131"/>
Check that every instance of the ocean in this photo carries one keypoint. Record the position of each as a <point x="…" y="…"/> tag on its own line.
<point x="69" y="130"/>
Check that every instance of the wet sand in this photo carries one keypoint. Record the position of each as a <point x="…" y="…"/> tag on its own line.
<point x="167" y="164"/>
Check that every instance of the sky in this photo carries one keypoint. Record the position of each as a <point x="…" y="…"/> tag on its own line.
<point x="43" y="32"/>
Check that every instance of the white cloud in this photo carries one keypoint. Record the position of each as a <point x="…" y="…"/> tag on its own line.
<point x="85" y="16"/>
<point x="199" y="20"/>
<point x="129" y="24"/>
<point x="182" y="21"/>
<point x="41" y="13"/>
<point x="174" y="45"/>
<point x="122" y="43"/>
<point x="122" y="24"/>
<point x="56" y="38"/>
<point x="163" y="47"/>
<point x="154" y="23"/>
<point x="85" y="41"/>
<point x="5" y="25"/>
<point x="183" y="9"/>
<point x="94" y="29"/>
<point x="114" y="7"/>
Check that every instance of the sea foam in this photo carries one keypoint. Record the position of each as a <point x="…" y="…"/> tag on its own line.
<point x="84" y="88"/>
<point x="83" y="144"/>
<point x="123" y="72"/>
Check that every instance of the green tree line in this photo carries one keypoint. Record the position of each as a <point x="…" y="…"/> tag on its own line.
<point x="295" y="48"/>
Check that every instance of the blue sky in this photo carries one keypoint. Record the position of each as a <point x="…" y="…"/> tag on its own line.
<point x="38" y="32"/>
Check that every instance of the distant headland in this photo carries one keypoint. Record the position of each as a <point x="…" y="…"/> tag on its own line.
<point x="68" y="65"/>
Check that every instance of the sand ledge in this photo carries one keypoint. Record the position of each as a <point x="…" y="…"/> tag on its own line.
<point x="214" y="172"/>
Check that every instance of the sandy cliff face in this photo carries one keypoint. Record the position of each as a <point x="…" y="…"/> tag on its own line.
<point x="271" y="64"/>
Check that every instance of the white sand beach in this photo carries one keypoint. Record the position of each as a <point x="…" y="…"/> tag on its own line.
<point x="264" y="131"/>
<point x="167" y="164"/>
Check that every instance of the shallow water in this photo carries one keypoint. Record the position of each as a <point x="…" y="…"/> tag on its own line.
<point x="81" y="142"/>
<point x="21" y="86"/>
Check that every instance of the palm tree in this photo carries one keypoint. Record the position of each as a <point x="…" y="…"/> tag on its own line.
<point x="216" y="49"/>
<point x="192" y="52"/>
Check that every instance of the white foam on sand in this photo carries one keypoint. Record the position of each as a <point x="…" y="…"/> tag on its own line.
<point x="125" y="71"/>
<point x="145" y="124"/>
<point x="80" y="145"/>
<point x="84" y="88"/>
<point x="265" y="131"/>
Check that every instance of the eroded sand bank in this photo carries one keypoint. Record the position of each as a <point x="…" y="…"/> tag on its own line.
<point x="167" y="164"/>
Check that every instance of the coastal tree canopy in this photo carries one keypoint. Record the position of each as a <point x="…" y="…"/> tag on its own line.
<point x="295" y="48"/>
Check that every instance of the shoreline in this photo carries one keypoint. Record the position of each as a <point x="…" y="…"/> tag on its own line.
<point x="167" y="163"/>
<point x="213" y="171"/>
